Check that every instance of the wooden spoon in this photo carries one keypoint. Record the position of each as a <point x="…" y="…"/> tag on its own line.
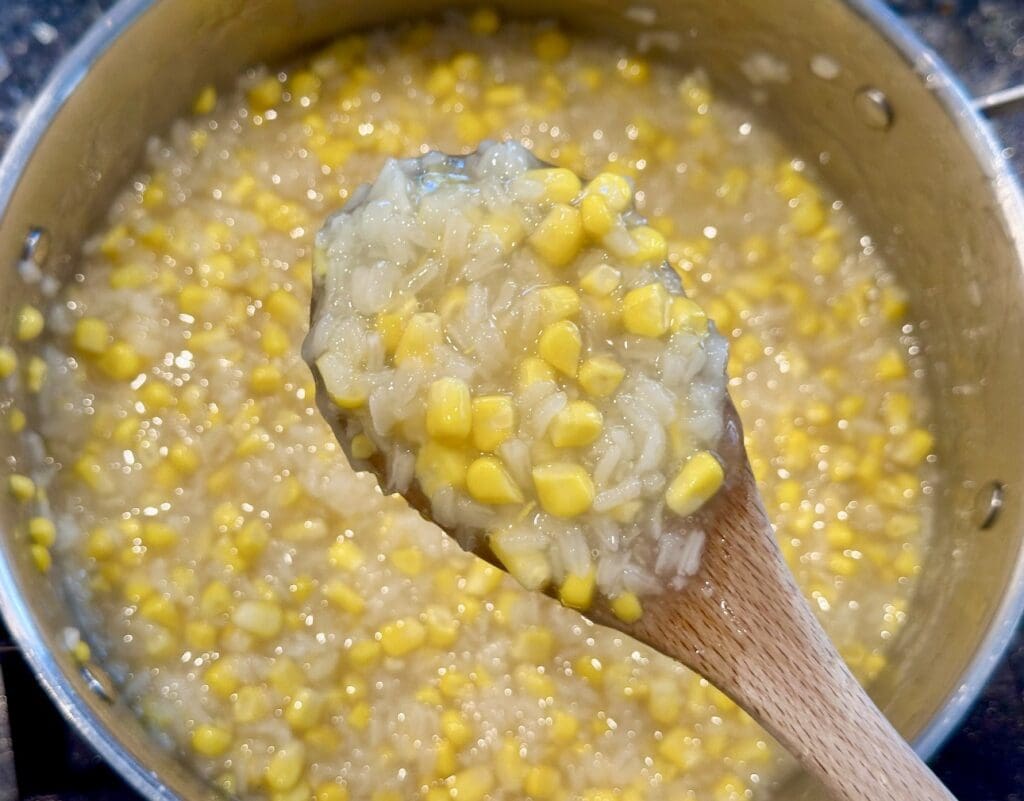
<point x="743" y="624"/>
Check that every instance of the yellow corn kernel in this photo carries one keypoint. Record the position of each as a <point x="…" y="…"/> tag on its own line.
<point x="506" y="94"/>
<point x="601" y="376"/>
<point x="21" y="487"/>
<point x="552" y="45"/>
<point x="577" y="591"/>
<point x="613" y="189"/>
<point x="578" y="424"/>
<point x="559" y="236"/>
<point x="42" y="531"/>
<point x="534" y="644"/>
<point x="344" y="597"/>
<point x="687" y="316"/>
<point x="274" y="340"/>
<point x="532" y="370"/>
<point x="284" y="307"/>
<point x="35" y="374"/>
<point x="564" y="489"/>
<point x="697" y="481"/>
<point x="331" y="791"/>
<point x="542" y="782"/>
<point x="493" y="420"/>
<point x="91" y="335"/>
<point x="665" y="702"/>
<point x="455" y="727"/>
<point x="285" y="768"/>
<point x="441" y="81"/>
<point x="266" y="379"/>
<point x="364" y="653"/>
<point x="449" y="414"/>
<point x="473" y="784"/>
<point x="156" y="395"/>
<point x="596" y="216"/>
<point x="41" y="557"/>
<point x="408" y="560"/>
<point x="890" y="365"/>
<point x="8" y="361"/>
<point x="120" y="361"/>
<point x="557" y="184"/>
<point x="601" y="281"/>
<point x="155" y="534"/>
<point x="651" y="247"/>
<point x="679" y="748"/>
<point x="626" y="607"/>
<point x="912" y="448"/>
<point x="402" y="636"/>
<point x="489" y="482"/>
<point x="808" y="217"/>
<point x="29" y="323"/>
<point x="827" y="257"/>
<point x="445" y="759"/>
<point x="362" y="447"/>
<point x="264" y="94"/>
<point x="564" y="728"/>
<point x="560" y="345"/>
<point x="345" y="554"/>
<point x="420" y="337"/>
<point x="222" y="677"/>
<point x="470" y="128"/>
<point x="260" y="618"/>
<point x="210" y="740"/>
<point x="16" y="420"/>
<point x="205" y="101"/>
<point x="558" y="303"/>
<point x="438" y="465"/>
<point x="529" y="567"/>
<point x="645" y="310"/>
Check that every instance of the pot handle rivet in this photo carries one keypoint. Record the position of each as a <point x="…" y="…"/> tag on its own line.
<point x="988" y="503"/>
<point x="874" y="108"/>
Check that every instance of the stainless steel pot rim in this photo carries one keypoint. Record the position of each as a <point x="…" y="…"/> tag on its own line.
<point x="19" y="617"/>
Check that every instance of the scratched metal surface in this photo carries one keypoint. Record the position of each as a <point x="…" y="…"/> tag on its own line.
<point x="984" y="42"/>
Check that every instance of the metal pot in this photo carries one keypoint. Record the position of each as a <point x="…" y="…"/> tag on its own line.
<point x="898" y="140"/>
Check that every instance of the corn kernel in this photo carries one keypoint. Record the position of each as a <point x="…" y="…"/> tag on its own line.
<point x="8" y="361"/>
<point x="578" y="424"/>
<point x="493" y="419"/>
<point x="559" y="236"/>
<point x="35" y="374"/>
<point x="645" y="310"/>
<point x="402" y="636"/>
<point x="438" y="465"/>
<point x="601" y="281"/>
<point x="42" y="531"/>
<point x="41" y="557"/>
<point x="529" y="567"/>
<point x="344" y="597"/>
<point x="890" y="365"/>
<point x="420" y="337"/>
<point x="601" y="376"/>
<point x="557" y="184"/>
<point x="551" y="45"/>
<point x="679" y="749"/>
<point x="577" y="591"/>
<point x="222" y="677"/>
<point x="331" y="791"/>
<point x="489" y="482"/>
<point x="264" y="94"/>
<point x="808" y="217"/>
<point x="650" y="246"/>
<point x="560" y="345"/>
<point x="29" y="323"/>
<point x="449" y="407"/>
<point x="912" y="448"/>
<point x="596" y="215"/>
<point x="91" y="335"/>
<point x="626" y="607"/>
<point x="21" y="487"/>
<point x="260" y="618"/>
<point x="205" y="101"/>
<point x="120" y="361"/>
<point x="473" y="784"/>
<point x="558" y="303"/>
<point x="345" y="554"/>
<point x="687" y="316"/>
<point x="362" y="447"/>
<point x="531" y="371"/>
<point x="286" y="767"/>
<point x="210" y="740"/>
<point x="564" y="489"/>
<point x="696" y="483"/>
<point x="542" y="782"/>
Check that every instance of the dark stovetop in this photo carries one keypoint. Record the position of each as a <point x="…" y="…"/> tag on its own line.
<point x="984" y="761"/>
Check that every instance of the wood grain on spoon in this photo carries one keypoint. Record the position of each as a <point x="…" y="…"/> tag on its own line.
<point x="745" y="627"/>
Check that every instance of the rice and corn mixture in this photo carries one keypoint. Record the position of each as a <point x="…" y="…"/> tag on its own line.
<point x="298" y="635"/>
<point x="506" y="337"/>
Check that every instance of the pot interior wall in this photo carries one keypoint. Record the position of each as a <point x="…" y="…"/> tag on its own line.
<point x="918" y="188"/>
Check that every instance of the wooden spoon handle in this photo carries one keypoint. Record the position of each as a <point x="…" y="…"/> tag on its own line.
<point x="747" y="629"/>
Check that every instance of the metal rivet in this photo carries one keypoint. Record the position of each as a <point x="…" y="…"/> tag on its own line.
<point x="988" y="503"/>
<point x="99" y="681"/>
<point x="37" y="246"/>
<point x="874" y="108"/>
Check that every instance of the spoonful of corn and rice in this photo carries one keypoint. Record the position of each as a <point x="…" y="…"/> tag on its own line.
<point x="503" y="344"/>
